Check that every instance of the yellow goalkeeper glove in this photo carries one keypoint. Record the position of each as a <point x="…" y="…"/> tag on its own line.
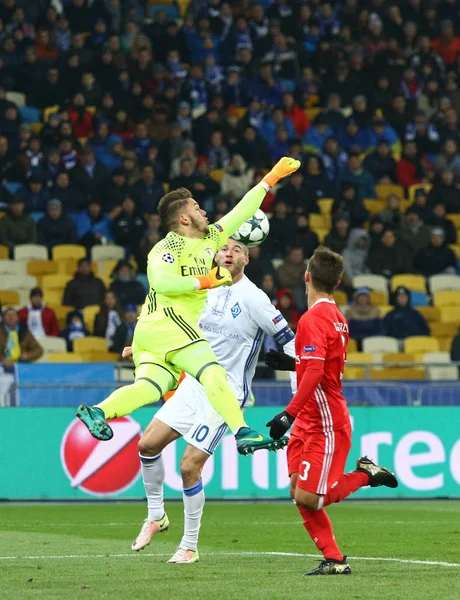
<point x="215" y="278"/>
<point x="284" y="167"/>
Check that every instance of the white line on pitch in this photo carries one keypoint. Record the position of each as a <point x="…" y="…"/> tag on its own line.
<point x="284" y="554"/>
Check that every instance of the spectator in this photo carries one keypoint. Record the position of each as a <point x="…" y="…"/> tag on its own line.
<point x="447" y="45"/>
<point x="356" y="175"/>
<point x="439" y="220"/>
<point x="449" y="159"/>
<point x="272" y="123"/>
<point x="17" y="344"/>
<point x="125" y="331"/>
<point x="295" y="114"/>
<point x="355" y="255"/>
<point x="421" y="205"/>
<point x="237" y="179"/>
<point x="317" y="134"/>
<point x="337" y="238"/>
<point x="380" y="164"/>
<point x="40" y="319"/>
<point x="390" y="257"/>
<point x="392" y="216"/>
<point x="152" y="235"/>
<point x="291" y="274"/>
<point x="205" y="188"/>
<point x="282" y="229"/>
<point x="258" y="266"/>
<point x="354" y="136"/>
<point x="80" y="117"/>
<point x="108" y="318"/>
<point x="84" y="289"/>
<point x="89" y="175"/>
<point x="17" y="227"/>
<point x="34" y="195"/>
<point x="269" y="287"/>
<point x="317" y="184"/>
<point x="124" y="284"/>
<point x="446" y="191"/>
<point x="376" y="228"/>
<point x="403" y="321"/>
<point x="455" y="349"/>
<point x="72" y="200"/>
<point x="350" y="205"/>
<point x="286" y="305"/>
<point x="129" y="226"/>
<point x="217" y="152"/>
<point x="415" y="235"/>
<point x="411" y="168"/>
<point x="334" y="159"/>
<point x="254" y="150"/>
<point x="93" y="226"/>
<point x="363" y="317"/>
<point x="304" y="237"/>
<point x="294" y="193"/>
<point x="437" y="257"/>
<point x="148" y="191"/>
<point x="55" y="227"/>
<point x="75" y="329"/>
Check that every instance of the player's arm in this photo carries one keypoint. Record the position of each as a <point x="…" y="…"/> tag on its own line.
<point x="254" y="198"/>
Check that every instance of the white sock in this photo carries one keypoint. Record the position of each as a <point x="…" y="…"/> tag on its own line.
<point x="153" y="475"/>
<point x="193" y="498"/>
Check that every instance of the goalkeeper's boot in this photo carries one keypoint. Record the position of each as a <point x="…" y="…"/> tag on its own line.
<point x="184" y="556"/>
<point x="94" y="419"/>
<point x="249" y="440"/>
<point x="148" y="530"/>
<point x="330" y="566"/>
<point x="377" y="475"/>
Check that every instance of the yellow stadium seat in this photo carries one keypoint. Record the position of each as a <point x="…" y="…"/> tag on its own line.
<point x="312" y="113"/>
<point x="398" y="373"/>
<point x="240" y="111"/>
<point x="64" y="357"/>
<point x="38" y="268"/>
<point x="49" y="110"/>
<point x="398" y="357"/>
<point x="9" y="297"/>
<point x="455" y="218"/>
<point x="35" y="128"/>
<point x="456" y="250"/>
<point x="450" y="314"/>
<point x="340" y="297"/>
<point x="54" y="297"/>
<point x="106" y="357"/>
<point x="317" y="221"/>
<point x="321" y="233"/>
<point x="418" y="186"/>
<point x="439" y="329"/>
<point x="90" y="344"/>
<point x="4" y="253"/>
<point x="89" y="312"/>
<point x="374" y="206"/>
<point x="415" y="283"/>
<point x="384" y="309"/>
<point x="217" y="174"/>
<point x="421" y="343"/>
<point x="68" y="251"/>
<point x="61" y="311"/>
<point x="430" y="313"/>
<point x="379" y="298"/>
<point x="386" y="189"/>
<point x="359" y="357"/>
<point x="447" y="298"/>
<point x="54" y="282"/>
<point x="325" y="205"/>
<point x="67" y="267"/>
<point x="445" y="344"/>
<point x="354" y="373"/>
<point x="352" y="345"/>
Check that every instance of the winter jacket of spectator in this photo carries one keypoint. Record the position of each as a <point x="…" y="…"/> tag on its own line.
<point x="281" y="234"/>
<point x="290" y="314"/>
<point x="128" y="292"/>
<point x="269" y="128"/>
<point x="120" y="339"/>
<point x="405" y="321"/>
<point x="86" y="224"/>
<point x="82" y="122"/>
<point x="364" y="321"/>
<point x="211" y="188"/>
<point x="148" y="196"/>
<point x="27" y="342"/>
<point x="34" y="202"/>
<point x="128" y="229"/>
<point x="455" y="348"/>
<point x="354" y="211"/>
<point x="355" y="258"/>
<point x="307" y="240"/>
<point x="390" y="261"/>
<point x="452" y="164"/>
<point x="51" y="232"/>
<point x="362" y="180"/>
<point x="49" y="320"/>
<point x="299" y="119"/>
<point x="314" y="138"/>
<point x="235" y="184"/>
<point x="417" y="238"/>
<point x="71" y="198"/>
<point x="335" y="242"/>
<point x="16" y="230"/>
<point x="294" y="198"/>
<point x="379" y="167"/>
<point x="101" y="320"/>
<point x="84" y="290"/>
<point x="290" y="275"/>
<point x="449" y="195"/>
<point x="81" y="179"/>
<point x="431" y="261"/>
<point x="73" y="332"/>
<point x="392" y="218"/>
<point x="447" y="225"/>
<point x="361" y="140"/>
<point x="409" y="171"/>
<point x="256" y="269"/>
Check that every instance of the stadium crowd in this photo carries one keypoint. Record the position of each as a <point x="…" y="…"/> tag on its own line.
<point x="118" y="101"/>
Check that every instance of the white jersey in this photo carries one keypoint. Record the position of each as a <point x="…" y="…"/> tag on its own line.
<point x="234" y="321"/>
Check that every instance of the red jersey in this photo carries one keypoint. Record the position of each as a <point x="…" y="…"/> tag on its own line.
<point x="322" y="335"/>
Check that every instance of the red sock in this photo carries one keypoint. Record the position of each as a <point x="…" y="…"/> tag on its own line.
<point x="319" y="527"/>
<point x="346" y="485"/>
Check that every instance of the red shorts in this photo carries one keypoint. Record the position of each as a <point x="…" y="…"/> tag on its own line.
<point x="318" y="458"/>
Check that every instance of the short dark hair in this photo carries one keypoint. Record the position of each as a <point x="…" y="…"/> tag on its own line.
<point x="326" y="269"/>
<point x="171" y="205"/>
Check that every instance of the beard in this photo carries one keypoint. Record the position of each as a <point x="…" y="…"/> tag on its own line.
<point x="200" y="225"/>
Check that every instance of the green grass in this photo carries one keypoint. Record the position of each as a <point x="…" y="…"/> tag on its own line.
<point x="96" y="540"/>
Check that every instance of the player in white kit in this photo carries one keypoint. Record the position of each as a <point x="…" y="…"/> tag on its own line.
<point x="234" y="320"/>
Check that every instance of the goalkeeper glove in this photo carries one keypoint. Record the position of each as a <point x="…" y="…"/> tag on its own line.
<point x="284" y="167"/>
<point x="215" y="278"/>
<point x="280" y="424"/>
<point x="280" y="361"/>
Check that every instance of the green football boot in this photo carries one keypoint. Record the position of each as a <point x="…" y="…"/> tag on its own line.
<point x="94" y="419"/>
<point x="249" y="440"/>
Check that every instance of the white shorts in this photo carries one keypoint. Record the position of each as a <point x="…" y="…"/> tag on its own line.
<point x="190" y="413"/>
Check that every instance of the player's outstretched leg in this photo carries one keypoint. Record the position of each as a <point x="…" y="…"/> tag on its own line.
<point x="94" y="419"/>
<point x="377" y="475"/>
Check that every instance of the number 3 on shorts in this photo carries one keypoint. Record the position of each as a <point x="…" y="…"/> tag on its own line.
<point x="304" y="475"/>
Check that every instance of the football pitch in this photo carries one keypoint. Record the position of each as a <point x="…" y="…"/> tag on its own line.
<point x="248" y="551"/>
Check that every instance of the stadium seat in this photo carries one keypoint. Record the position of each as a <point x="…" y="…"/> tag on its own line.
<point x="436" y="357"/>
<point x="443" y="373"/>
<point x="61" y="310"/>
<point x="398" y="373"/>
<point x="54" y="298"/>
<point x="398" y="357"/>
<point x="430" y="313"/>
<point x="354" y="373"/>
<point x="4" y="252"/>
<point x="36" y="128"/>
<point x="384" y="309"/>
<point x="171" y="11"/>
<point x="38" y="268"/>
<point x="455" y="218"/>
<point x="30" y="252"/>
<point x="340" y="297"/>
<point x="418" y="186"/>
<point x="110" y="252"/>
<point x="277" y="262"/>
<point x="456" y="250"/>
<point x="18" y="282"/>
<point x="352" y="345"/>
<point x="54" y="282"/>
<point x="447" y="298"/>
<point x="89" y="313"/>
<point x="63" y="357"/>
<point x="12" y="186"/>
<point x="380" y="343"/>
<point x="52" y="344"/>
<point x="48" y="111"/>
<point x="9" y="298"/>
<point x="312" y="113"/>
<point x="321" y="233"/>
<point x="359" y="357"/>
<point x="317" y="221"/>
<point x="217" y="174"/>
<point x="443" y="282"/>
<point x="90" y="344"/>
<point x="445" y="343"/>
<point x="17" y="98"/>
<point x="11" y="267"/>
<point x="374" y="206"/>
<point x="379" y="298"/>
<point x="67" y="267"/>
<point x="282" y="376"/>
<point x="419" y="299"/>
<point x="29" y="114"/>
<point x="104" y="357"/>
<point x="413" y="282"/>
<point x="386" y="189"/>
<point x="439" y="329"/>
<point x="68" y="251"/>
<point x="450" y="314"/>
<point x="421" y="343"/>
<point x="373" y="282"/>
<point x="325" y="205"/>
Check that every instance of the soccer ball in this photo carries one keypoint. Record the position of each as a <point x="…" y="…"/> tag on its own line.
<point x="254" y="231"/>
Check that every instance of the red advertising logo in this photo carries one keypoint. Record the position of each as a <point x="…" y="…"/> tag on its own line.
<point x="102" y="468"/>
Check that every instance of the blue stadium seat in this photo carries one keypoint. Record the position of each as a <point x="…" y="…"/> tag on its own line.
<point x="30" y="114"/>
<point x="12" y="186"/>
<point x="169" y="9"/>
<point x="418" y="298"/>
<point x="36" y="216"/>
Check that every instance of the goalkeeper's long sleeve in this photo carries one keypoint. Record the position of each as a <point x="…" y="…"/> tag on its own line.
<point x="244" y="210"/>
<point x="173" y="285"/>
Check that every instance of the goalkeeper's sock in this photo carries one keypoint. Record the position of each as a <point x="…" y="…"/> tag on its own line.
<point x="127" y="399"/>
<point x="153" y="475"/>
<point x="193" y="498"/>
<point x="319" y="527"/>
<point x="346" y="485"/>
<point x="221" y="396"/>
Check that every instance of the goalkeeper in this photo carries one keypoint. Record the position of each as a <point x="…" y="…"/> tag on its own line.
<point x="166" y="338"/>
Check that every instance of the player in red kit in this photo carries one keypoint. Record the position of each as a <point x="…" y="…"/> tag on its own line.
<point x="321" y="437"/>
